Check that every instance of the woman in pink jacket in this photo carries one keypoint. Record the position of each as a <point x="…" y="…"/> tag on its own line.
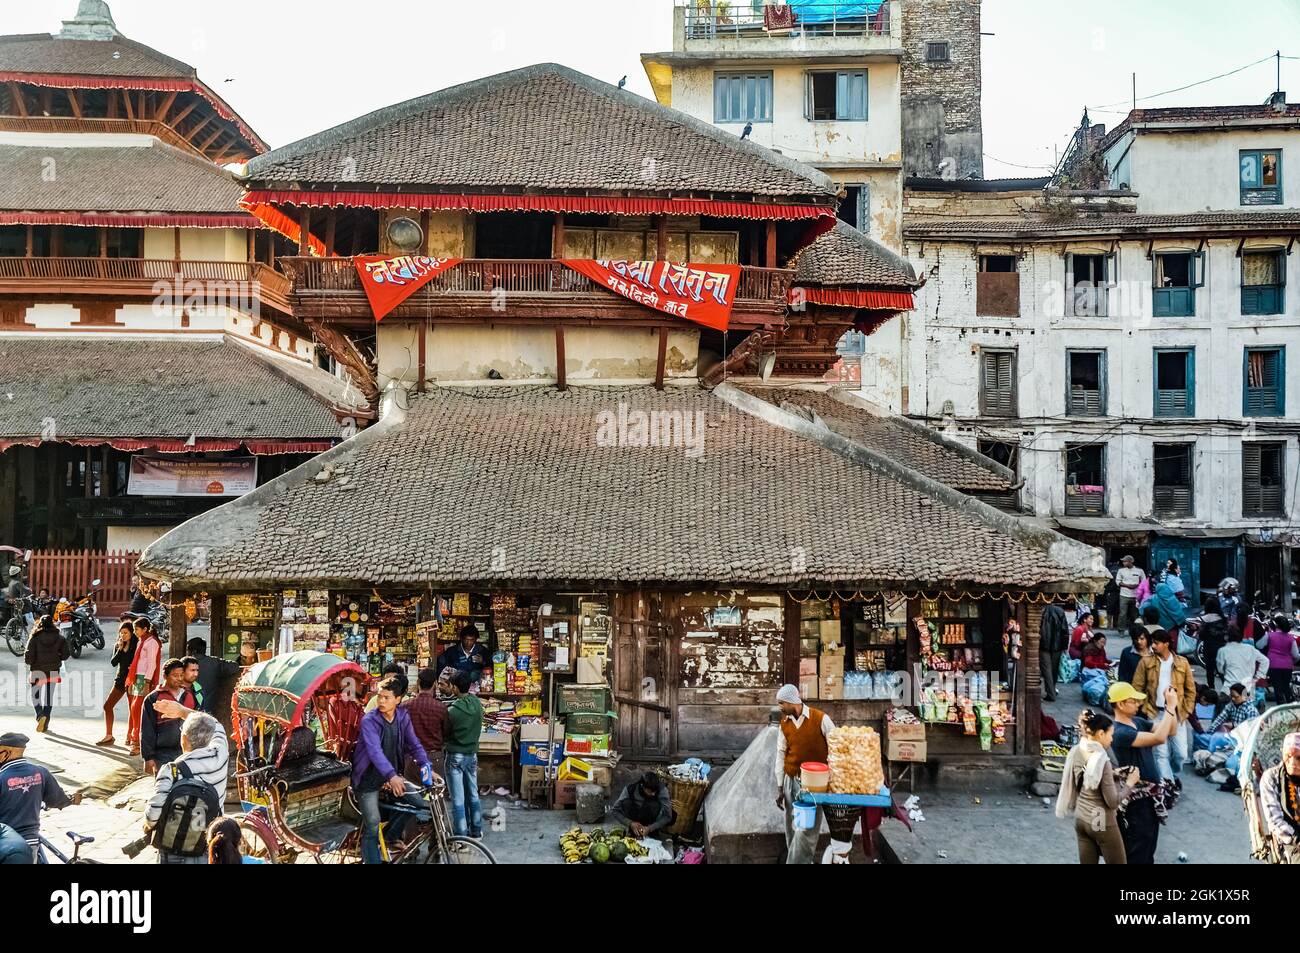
<point x="142" y="678"/>
<point x="1279" y="644"/>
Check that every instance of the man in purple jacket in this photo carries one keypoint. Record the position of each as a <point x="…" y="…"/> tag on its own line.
<point x="387" y="740"/>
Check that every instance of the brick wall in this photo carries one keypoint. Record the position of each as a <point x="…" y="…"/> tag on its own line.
<point x="942" y="125"/>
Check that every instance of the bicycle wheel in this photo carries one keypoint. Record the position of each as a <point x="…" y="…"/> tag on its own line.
<point x="14" y="636"/>
<point x="461" y="851"/>
<point x="257" y="840"/>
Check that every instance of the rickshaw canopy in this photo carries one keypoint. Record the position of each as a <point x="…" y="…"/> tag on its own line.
<point x="281" y="687"/>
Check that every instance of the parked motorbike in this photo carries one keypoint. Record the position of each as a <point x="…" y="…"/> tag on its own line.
<point x="79" y="622"/>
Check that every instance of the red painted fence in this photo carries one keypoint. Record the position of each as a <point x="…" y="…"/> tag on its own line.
<point x="70" y="572"/>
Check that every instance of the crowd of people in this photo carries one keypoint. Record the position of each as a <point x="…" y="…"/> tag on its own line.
<point x="1149" y="718"/>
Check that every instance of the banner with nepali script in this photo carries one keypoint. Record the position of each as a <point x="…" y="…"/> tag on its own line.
<point x="700" y="293"/>
<point x="390" y="281"/>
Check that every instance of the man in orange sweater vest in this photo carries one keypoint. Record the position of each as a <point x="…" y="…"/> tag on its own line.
<point x="803" y="737"/>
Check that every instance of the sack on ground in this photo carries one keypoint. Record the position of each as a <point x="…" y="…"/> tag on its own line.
<point x="1069" y="670"/>
<point x="192" y="804"/>
<point x="1095" y="685"/>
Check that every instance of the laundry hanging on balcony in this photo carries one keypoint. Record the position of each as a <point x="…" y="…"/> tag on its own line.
<point x="388" y="281"/>
<point x="700" y="293"/>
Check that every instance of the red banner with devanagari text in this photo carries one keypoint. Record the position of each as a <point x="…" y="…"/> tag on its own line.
<point x="388" y="281"/>
<point x="700" y="293"/>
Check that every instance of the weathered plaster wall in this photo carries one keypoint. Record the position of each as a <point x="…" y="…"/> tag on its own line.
<point x="947" y="338"/>
<point x="468" y="353"/>
<point x="876" y="140"/>
<point x="1199" y="171"/>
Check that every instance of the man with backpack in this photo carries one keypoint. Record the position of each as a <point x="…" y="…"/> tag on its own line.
<point x="1053" y="639"/>
<point x="189" y="793"/>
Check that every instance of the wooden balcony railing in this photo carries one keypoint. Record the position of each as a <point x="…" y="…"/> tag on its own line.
<point x="138" y="276"/>
<point x="322" y="278"/>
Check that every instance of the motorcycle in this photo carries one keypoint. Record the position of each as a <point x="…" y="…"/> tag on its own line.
<point x="79" y="622"/>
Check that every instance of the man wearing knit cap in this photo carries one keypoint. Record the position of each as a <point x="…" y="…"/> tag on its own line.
<point x="803" y="737"/>
<point x="1279" y="790"/>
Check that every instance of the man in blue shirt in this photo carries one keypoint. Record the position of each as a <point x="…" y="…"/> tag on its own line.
<point x="24" y="788"/>
<point x="466" y="655"/>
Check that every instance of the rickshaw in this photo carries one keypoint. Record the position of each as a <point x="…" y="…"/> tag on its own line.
<point x="296" y="718"/>
<point x="1262" y="750"/>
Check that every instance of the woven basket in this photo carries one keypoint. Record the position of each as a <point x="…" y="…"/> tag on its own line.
<point x="841" y="819"/>
<point x="686" y="796"/>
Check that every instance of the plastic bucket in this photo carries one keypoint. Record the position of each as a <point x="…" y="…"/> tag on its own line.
<point x="804" y="816"/>
<point x="815" y="777"/>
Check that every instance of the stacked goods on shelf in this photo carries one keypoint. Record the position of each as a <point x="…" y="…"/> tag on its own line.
<point x="305" y="620"/>
<point x="589" y="726"/>
<point x="854" y="758"/>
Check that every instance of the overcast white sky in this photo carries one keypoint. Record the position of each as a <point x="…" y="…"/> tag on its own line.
<point x="297" y="67"/>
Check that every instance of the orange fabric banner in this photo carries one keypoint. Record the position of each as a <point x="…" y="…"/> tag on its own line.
<point x="700" y="293"/>
<point x="390" y="281"/>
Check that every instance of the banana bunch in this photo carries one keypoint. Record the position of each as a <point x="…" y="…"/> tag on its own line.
<point x="634" y="848"/>
<point x="574" y="845"/>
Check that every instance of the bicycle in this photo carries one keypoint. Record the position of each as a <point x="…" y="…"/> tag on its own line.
<point x="77" y="841"/>
<point x="443" y="847"/>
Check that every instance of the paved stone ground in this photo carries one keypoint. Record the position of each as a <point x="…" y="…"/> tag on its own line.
<point x="971" y="826"/>
<point x="975" y="826"/>
<point x="116" y="793"/>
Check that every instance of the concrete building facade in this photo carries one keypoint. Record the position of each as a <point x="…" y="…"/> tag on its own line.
<point x="1125" y="349"/>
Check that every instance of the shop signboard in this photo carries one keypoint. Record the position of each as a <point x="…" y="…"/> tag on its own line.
<point x="154" y="476"/>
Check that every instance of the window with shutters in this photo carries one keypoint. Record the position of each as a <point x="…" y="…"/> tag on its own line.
<point x="1264" y="393"/>
<point x="839" y="94"/>
<point x="997" y="286"/>
<point x="1263" y="484"/>
<point x="1085" y="479"/>
<point x="1175" y="383"/>
<point x="742" y="97"/>
<point x="1263" y="277"/>
<point x="1085" y="393"/>
<point x="1087" y="280"/>
<point x="1261" y="176"/>
<point x="855" y="207"/>
<point x="1175" y="278"/>
<point x="998" y="383"/>
<point x="1172" y="480"/>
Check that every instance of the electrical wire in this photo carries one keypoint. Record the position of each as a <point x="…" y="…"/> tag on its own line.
<point x="1180" y="89"/>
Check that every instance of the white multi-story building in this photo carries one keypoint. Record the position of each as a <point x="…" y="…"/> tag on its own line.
<point x="1126" y="347"/>
<point x="866" y="92"/>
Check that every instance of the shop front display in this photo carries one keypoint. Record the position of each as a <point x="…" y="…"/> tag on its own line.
<point x="249" y="626"/>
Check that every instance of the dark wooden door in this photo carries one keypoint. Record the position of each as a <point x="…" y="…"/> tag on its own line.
<point x="643" y="674"/>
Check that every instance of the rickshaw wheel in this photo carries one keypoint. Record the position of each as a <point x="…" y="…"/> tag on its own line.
<point x="258" y="841"/>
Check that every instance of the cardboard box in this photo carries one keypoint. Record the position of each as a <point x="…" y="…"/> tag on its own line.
<point x="831" y="688"/>
<point x="534" y="752"/>
<point x="590" y="670"/>
<point x="566" y="793"/>
<point x="831" y="665"/>
<point x="830" y="628"/>
<point x="596" y="745"/>
<point x="531" y="774"/>
<point x="909" y="732"/>
<point x="589" y="723"/>
<point x="495" y="742"/>
<point x="906" y="751"/>
<point x="808" y="687"/>
<point x="574" y="769"/>
<point x="807" y="666"/>
<point x="539" y="731"/>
